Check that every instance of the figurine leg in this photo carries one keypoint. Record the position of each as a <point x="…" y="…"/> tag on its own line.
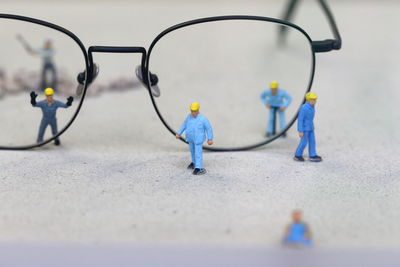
<point x="282" y="119"/>
<point x="53" y="126"/>
<point x="43" y="83"/>
<point x="270" y="124"/>
<point x="198" y="156"/>
<point x="42" y="128"/>
<point x="311" y="145"/>
<point x="302" y="145"/>
<point x="54" y="131"/>
<point x="53" y="79"/>
<point x="192" y="152"/>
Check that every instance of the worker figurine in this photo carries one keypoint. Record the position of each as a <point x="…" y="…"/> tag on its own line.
<point x="46" y="53"/>
<point x="305" y="127"/>
<point x="196" y="126"/>
<point x="49" y="108"/>
<point x="297" y="234"/>
<point x="276" y="100"/>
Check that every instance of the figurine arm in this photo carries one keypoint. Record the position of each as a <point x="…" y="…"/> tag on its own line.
<point x="288" y="100"/>
<point x="209" y="130"/>
<point x="307" y="233"/>
<point x="265" y="97"/>
<point x="300" y="120"/>
<point x="183" y="127"/>
<point x="33" y="99"/>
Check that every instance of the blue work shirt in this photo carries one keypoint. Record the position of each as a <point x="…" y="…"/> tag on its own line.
<point x="297" y="232"/>
<point x="196" y="129"/>
<point x="280" y="99"/>
<point x="49" y="111"/>
<point x="306" y="117"/>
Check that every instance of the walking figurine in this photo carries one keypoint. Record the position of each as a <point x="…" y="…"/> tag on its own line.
<point x="276" y="100"/>
<point x="197" y="127"/>
<point x="305" y="127"/>
<point x="49" y="107"/>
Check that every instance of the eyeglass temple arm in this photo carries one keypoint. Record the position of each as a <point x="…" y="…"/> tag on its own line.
<point x="318" y="46"/>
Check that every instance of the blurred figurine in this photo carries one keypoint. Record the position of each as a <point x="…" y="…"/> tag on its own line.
<point x="196" y="126"/>
<point x="276" y="100"/>
<point x="305" y="127"/>
<point x="297" y="234"/>
<point x="49" y="108"/>
<point x="46" y="53"/>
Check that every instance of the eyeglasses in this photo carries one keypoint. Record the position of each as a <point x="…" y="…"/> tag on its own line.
<point x="247" y="73"/>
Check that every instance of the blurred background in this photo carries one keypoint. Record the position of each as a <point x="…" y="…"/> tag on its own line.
<point x="119" y="177"/>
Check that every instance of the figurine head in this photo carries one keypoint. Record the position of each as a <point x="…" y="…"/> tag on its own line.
<point x="274" y="87"/>
<point x="194" y="109"/>
<point x="297" y="215"/>
<point x="49" y="92"/>
<point x="48" y="43"/>
<point x="311" y="98"/>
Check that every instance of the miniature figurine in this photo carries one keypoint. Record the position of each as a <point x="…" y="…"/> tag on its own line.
<point x="297" y="234"/>
<point x="276" y="100"/>
<point x="46" y="53"/>
<point x="49" y="108"/>
<point x="196" y="126"/>
<point x="305" y="127"/>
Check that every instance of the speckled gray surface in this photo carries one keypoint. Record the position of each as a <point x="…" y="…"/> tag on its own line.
<point x="126" y="181"/>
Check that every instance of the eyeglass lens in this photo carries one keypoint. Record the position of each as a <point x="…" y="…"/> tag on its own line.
<point x="229" y="67"/>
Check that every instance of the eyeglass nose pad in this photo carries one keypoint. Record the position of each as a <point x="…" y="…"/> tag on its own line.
<point x="155" y="90"/>
<point x="81" y="79"/>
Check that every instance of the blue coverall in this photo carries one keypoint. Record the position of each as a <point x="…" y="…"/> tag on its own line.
<point x="305" y="124"/>
<point x="196" y="130"/>
<point x="280" y="99"/>
<point x="49" y="117"/>
<point x="297" y="230"/>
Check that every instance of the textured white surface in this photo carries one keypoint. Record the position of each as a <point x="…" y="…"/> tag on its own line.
<point x="120" y="176"/>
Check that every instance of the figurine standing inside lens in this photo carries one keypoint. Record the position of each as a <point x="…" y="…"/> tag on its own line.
<point x="297" y="234"/>
<point x="197" y="127"/>
<point x="49" y="108"/>
<point x="305" y="127"/>
<point x="46" y="53"/>
<point x="276" y="100"/>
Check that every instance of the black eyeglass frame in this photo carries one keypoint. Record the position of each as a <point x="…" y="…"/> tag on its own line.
<point x="89" y="75"/>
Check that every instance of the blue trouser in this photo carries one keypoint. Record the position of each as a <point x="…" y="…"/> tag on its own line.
<point x="44" y="83"/>
<point x="308" y="137"/>
<point x="43" y="125"/>
<point x="197" y="154"/>
<point x="271" y="119"/>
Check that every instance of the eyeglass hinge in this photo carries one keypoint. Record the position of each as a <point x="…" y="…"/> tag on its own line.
<point x="326" y="45"/>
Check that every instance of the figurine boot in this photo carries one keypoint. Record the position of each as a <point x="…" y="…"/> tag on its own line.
<point x="198" y="171"/>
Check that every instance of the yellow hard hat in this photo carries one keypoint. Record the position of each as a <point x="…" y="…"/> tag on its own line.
<point x="273" y="85"/>
<point x="195" y="106"/>
<point x="311" y="96"/>
<point x="48" y="91"/>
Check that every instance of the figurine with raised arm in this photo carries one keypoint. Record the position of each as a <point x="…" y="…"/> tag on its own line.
<point x="297" y="234"/>
<point x="276" y="101"/>
<point x="49" y="107"/>
<point x="198" y="129"/>
<point x="305" y="127"/>
<point x="46" y="53"/>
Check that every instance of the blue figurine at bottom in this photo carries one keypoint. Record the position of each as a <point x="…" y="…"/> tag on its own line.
<point x="305" y="127"/>
<point x="297" y="234"/>
<point x="197" y="127"/>
<point x="49" y="108"/>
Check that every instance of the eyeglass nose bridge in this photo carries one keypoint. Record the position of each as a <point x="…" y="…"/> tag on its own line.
<point x="93" y="68"/>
